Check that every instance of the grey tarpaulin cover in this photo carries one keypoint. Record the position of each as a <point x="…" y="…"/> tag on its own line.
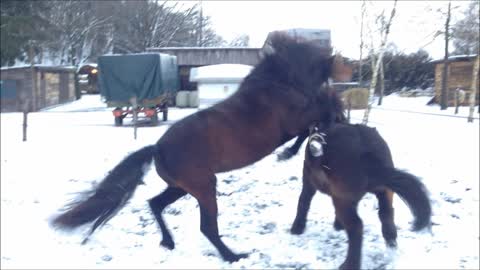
<point x="145" y="75"/>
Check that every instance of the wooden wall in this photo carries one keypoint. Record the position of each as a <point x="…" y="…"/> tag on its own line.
<point x="459" y="76"/>
<point x="54" y="85"/>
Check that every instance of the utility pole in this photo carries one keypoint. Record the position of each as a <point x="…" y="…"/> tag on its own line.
<point x="444" y="90"/>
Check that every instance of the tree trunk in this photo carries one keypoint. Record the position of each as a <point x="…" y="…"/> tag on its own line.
<point x="26" y="97"/>
<point x="200" y="27"/>
<point x="474" y="89"/>
<point x="373" y="84"/>
<point x="382" y="83"/>
<point x="444" y="90"/>
<point x="360" y="62"/>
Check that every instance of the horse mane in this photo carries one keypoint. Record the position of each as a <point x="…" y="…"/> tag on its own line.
<point x="286" y="65"/>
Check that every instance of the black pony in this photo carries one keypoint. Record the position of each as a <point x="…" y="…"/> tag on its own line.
<point x="276" y="102"/>
<point x="346" y="161"/>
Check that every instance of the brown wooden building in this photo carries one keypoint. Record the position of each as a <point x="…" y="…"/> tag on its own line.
<point x="460" y="72"/>
<point x="49" y="86"/>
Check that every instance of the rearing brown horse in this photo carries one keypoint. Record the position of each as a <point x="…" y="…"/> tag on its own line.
<point x="275" y="102"/>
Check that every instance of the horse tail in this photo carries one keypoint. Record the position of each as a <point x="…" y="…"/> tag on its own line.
<point x="104" y="201"/>
<point x="412" y="191"/>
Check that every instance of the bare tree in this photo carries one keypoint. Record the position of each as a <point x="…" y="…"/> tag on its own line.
<point x="362" y="18"/>
<point x="240" y="41"/>
<point x="465" y="32"/>
<point x="382" y="83"/>
<point x="384" y="31"/>
<point x="75" y="28"/>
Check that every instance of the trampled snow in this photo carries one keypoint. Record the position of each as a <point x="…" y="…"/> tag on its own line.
<point x="73" y="146"/>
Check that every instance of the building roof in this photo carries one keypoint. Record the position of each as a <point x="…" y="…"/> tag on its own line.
<point x="42" y="67"/>
<point x="456" y="58"/>
<point x="220" y="73"/>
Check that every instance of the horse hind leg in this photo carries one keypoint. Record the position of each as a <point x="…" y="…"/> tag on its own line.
<point x="157" y="204"/>
<point x="346" y="212"/>
<point x="205" y="193"/>
<point x="386" y="215"/>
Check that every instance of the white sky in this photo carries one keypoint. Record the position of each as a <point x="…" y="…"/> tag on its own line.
<point x="413" y="26"/>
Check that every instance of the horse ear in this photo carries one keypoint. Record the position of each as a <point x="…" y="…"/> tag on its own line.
<point x="341" y="72"/>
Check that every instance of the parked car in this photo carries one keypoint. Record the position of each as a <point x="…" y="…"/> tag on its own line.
<point x="87" y="78"/>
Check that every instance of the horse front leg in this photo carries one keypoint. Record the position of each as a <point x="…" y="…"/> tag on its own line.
<point x="304" y="202"/>
<point x="346" y="212"/>
<point x="289" y="152"/>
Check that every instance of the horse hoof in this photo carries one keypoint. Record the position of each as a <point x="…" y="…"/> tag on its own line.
<point x="169" y="244"/>
<point x="346" y="266"/>
<point x="297" y="229"/>
<point x="392" y="243"/>
<point x="337" y="225"/>
<point x="287" y="154"/>
<point x="236" y="257"/>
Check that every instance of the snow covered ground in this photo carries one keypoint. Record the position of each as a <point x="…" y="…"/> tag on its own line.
<point x="70" y="147"/>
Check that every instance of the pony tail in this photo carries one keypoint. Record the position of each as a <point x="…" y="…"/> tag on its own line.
<point x="103" y="202"/>
<point x="412" y="191"/>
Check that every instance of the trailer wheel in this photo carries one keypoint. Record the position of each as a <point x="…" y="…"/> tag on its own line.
<point x="165" y="114"/>
<point x="118" y="121"/>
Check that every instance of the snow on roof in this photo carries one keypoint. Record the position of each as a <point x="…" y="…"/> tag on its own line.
<point x="462" y="57"/>
<point x="40" y="66"/>
<point x="201" y="48"/>
<point x="222" y="72"/>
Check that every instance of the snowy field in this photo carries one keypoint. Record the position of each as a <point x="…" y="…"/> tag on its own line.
<point x="71" y="147"/>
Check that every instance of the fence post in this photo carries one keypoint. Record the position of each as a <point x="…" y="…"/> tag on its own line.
<point x="457" y="100"/>
<point x="133" y="101"/>
<point x="25" y="106"/>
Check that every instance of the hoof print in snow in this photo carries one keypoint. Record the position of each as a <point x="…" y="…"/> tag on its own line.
<point x="268" y="228"/>
<point x="293" y="178"/>
<point x="173" y="211"/>
<point x="264" y="257"/>
<point x="210" y="254"/>
<point x="455" y="216"/>
<point x="291" y="266"/>
<point x="144" y="222"/>
<point x="136" y="210"/>
<point x="452" y="200"/>
<point x="107" y="258"/>
<point x="449" y="198"/>
<point x="230" y="179"/>
<point x="260" y="206"/>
